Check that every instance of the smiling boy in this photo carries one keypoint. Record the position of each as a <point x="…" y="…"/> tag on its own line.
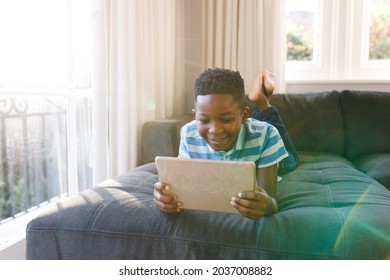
<point x="222" y="130"/>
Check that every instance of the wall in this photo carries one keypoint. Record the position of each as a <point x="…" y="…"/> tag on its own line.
<point x="315" y="86"/>
<point x="15" y="251"/>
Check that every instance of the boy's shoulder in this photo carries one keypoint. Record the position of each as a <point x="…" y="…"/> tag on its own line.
<point x="254" y="125"/>
<point x="190" y="125"/>
<point x="189" y="128"/>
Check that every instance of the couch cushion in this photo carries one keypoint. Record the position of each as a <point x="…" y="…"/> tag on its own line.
<point x="162" y="137"/>
<point x="367" y="122"/>
<point x="314" y="120"/>
<point x="377" y="166"/>
<point x="328" y="210"/>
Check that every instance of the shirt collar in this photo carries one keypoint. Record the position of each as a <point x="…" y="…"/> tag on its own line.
<point x="241" y="137"/>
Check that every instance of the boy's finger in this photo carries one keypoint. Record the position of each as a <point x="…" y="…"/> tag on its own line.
<point x="161" y="187"/>
<point x="247" y="212"/>
<point x="168" y="207"/>
<point x="164" y="198"/>
<point x="251" y="195"/>
<point x="235" y="201"/>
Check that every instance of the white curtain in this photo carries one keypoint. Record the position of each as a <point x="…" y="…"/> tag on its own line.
<point x="140" y="63"/>
<point x="138" y="76"/>
<point x="247" y="36"/>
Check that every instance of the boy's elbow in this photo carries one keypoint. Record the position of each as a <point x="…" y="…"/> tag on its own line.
<point x="288" y="164"/>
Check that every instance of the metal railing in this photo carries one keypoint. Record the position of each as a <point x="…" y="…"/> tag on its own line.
<point x="33" y="152"/>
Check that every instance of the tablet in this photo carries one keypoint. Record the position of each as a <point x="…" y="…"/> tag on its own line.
<point x="206" y="185"/>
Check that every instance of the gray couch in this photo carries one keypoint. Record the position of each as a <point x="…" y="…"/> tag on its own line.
<point x="335" y="205"/>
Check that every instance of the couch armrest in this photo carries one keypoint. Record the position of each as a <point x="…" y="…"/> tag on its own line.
<point x="162" y="137"/>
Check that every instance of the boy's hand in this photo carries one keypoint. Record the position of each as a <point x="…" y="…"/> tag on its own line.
<point x="255" y="204"/>
<point x="164" y="202"/>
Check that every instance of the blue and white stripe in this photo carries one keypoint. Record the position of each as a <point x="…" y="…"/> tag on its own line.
<point x="258" y="142"/>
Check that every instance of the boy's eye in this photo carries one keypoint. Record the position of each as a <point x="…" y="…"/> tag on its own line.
<point x="203" y="121"/>
<point x="226" y="120"/>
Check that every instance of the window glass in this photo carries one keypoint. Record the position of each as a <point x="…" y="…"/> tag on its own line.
<point x="45" y="102"/>
<point x="301" y="18"/>
<point x="43" y="42"/>
<point x="379" y="29"/>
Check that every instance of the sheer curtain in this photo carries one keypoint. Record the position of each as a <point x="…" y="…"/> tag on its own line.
<point x="141" y="63"/>
<point x="138" y="76"/>
<point x="45" y="106"/>
<point x="247" y="36"/>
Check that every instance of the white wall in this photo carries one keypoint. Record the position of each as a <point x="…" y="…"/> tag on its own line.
<point x="14" y="251"/>
<point x="315" y="86"/>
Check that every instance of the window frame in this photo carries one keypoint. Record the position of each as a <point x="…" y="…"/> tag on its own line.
<point x="342" y="46"/>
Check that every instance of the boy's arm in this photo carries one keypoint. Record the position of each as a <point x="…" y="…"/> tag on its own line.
<point x="268" y="180"/>
<point x="261" y="202"/>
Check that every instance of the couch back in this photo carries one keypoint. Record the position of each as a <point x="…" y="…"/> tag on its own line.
<point x="367" y="122"/>
<point x="314" y="120"/>
<point x="347" y="123"/>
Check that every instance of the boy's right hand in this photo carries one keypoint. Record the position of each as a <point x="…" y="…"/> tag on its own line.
<point x="165" y="202"/>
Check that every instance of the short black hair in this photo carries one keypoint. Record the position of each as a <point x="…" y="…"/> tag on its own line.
<point x="220" y="81"/>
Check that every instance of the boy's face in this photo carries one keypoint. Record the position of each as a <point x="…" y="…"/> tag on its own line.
<point x="219" y="118"/>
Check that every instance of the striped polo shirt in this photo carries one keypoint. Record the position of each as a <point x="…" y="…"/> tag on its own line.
<point x="258" y="142"/>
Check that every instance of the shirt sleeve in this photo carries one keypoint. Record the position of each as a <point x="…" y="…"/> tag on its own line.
<point x="273" y="149"/>
<point x="271" y="116"/>
<point x="183" y="147"/>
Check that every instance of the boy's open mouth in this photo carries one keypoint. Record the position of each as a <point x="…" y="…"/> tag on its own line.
<point x="218" y="141"/>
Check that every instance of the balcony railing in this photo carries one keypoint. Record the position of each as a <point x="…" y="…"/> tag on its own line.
<point x="34" y="152"/>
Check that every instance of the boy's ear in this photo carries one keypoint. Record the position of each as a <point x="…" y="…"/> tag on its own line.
<point x="194" y="113"/>
<point x="245" y="114"/>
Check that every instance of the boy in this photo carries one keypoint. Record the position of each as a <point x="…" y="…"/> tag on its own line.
<point x="223" y="130"/>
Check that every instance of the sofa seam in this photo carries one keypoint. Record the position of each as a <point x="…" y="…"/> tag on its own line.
<point x="341" y="104"/>
<point x="370" y="166"/>
<point x="343" y="231"/>
<point x="91" y="222"/>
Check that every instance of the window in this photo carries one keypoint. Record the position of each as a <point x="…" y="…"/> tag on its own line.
<point x="379" y="21"/>
<point x="45" y="103"/>
<point x="338" y="40"/>
<point x="301" y="29"/>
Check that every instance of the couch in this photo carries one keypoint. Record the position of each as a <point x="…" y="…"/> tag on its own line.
<point x="335" y="205"/>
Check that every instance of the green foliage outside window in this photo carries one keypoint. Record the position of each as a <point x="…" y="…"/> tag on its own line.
<point x="298" y="49"/>
<point x="380" y="30"/>
<point x="300" y="35"/>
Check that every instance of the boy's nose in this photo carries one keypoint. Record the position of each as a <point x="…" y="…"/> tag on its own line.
<point x="215" y="128"/>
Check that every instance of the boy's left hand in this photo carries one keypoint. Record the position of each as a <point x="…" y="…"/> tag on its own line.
<point x="254" y="204"/>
